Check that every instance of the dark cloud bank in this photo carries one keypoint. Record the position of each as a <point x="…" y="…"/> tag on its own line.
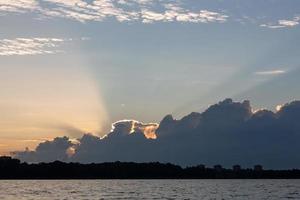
<point x="226" y="133"/>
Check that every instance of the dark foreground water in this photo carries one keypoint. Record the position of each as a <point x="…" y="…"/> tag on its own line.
<point x="150" y="189"/>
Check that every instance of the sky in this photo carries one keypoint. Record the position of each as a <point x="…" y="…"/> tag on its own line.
<point x="69" y="67"/>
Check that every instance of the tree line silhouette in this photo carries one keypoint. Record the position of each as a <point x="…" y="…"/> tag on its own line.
<point x="11" y="168"/>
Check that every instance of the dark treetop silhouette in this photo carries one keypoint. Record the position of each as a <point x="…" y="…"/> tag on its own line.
<point x="228" y="133"/>
<point x="13" y="169"/>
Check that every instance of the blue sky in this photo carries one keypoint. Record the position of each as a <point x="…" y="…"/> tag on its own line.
<point x="75" y="64"/>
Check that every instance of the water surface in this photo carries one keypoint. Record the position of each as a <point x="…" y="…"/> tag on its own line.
<point x="149" y="189"/>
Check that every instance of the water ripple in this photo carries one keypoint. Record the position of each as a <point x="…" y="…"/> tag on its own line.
<point x="150" y="189"/>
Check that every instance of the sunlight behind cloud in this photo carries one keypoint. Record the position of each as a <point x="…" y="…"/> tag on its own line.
<point x="46" y="103"/>
<point x="128" y="126"/>
<point x="278" y="107"/>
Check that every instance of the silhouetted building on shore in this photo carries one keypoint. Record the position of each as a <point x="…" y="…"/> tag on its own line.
<point x="258" y="168"/>
<point x="236" y="168"/>
<point x="218" y="168"/>
<point x="201" y="167"/>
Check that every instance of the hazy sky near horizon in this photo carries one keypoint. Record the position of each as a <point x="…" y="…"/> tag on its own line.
<point x="73" y="66"/>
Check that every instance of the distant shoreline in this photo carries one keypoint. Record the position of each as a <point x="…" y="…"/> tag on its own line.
<point x="13" y="169"/>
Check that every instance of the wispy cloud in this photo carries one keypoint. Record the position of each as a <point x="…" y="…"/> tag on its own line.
<point x="283" y="23"/>
<point x="146" y="11"/>
<point x="30" y="46"/>
<point x="19" y="6"/>
<point x="174" y="13"/>
<point x="271" y="72"/>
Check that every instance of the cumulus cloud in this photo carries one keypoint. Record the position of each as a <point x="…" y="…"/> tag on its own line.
<point x="227" y="132"/>
<point x="146" y="11"/>
<point x="48" y="151"/>
<point x="30" y="46"/>
<point x="132" y="126"/>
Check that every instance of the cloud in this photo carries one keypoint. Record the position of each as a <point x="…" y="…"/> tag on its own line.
<point x="227" y="132"/>
<point x="126" y="127"/>
<point x="146" y="11"/>
<point x="30" y="46"/>
<point x="288" y="23"/>
<point x="271" y="72"/>
<point x="283" y="23"/>
<point x="177" y="14"/>
<point x="48" y="151"/>
<point x="18" y="6"/>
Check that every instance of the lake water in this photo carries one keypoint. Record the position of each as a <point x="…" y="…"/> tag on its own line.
<point x="150" y="189"/>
